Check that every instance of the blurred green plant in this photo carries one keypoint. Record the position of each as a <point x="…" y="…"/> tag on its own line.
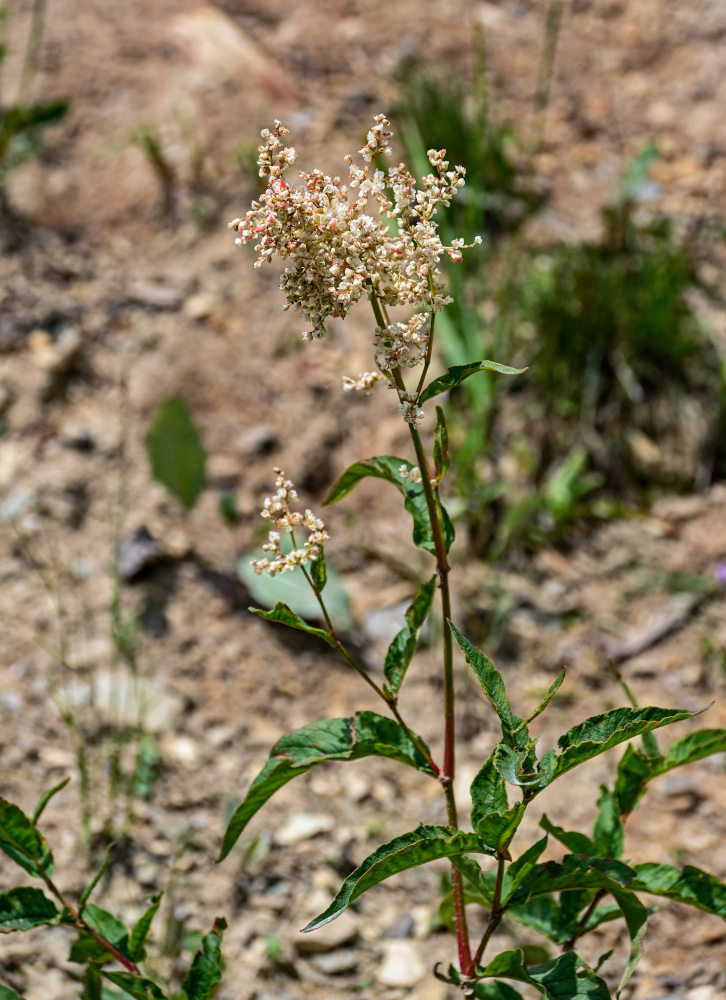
<point x="23" y="122"/>
<point x="101" y="939"/>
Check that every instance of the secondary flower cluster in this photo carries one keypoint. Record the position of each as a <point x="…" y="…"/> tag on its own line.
<point x="336" y="252"/>
<point x="277" y="509"/>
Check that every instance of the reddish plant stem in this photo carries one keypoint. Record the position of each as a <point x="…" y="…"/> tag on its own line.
<point x="495" y="917"/>
<point x="80" y="922"/>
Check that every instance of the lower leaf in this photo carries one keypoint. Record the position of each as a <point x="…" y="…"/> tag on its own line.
<point x="424" y="844"/>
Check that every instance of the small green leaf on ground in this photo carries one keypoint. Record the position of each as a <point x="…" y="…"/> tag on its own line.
<point x="176" y="452"/>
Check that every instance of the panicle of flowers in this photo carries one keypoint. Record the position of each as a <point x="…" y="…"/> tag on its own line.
<point x="336" y="252"/>
<point x="277" y="509"/>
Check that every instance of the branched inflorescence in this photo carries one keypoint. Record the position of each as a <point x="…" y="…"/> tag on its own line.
<point x="337" y="252"/>
<point x="277" y="509"/>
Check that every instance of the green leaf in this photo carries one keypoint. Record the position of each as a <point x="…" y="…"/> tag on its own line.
<point x="400" y="652"/>
<point x="136" y="986"/>
<point x="285" y="616"/>
<point x="636" y="769"/>
<point x="92" y="985"/>
<point x="7" y="994"/>
<point x="425" y="843"/>
<point x="636" y="918"/>
<point x="25" y="907"/>
<point x="552" y="691"/>
<point x="176" y="452"/>
<point x="608" y="832"/>
<point x="518" y="871"/>
<point x="141" y="929"/>
<point x="365" y="734"/>
<point x="495" y="991"/>
<point x="206" y="971"/>
<point x="599" y="733"/>
<point x="691" y="885"/>
<point x="318" y="571"/>
<point x="490" y="680"/>
<point x="566" y="977"/>
<point x="389" y="468"/>
<point x="479" y="884"/>
<point x="515" y="765"/>
<point x="441" y="446"/>
<point x="45" y="799"/>
<point x="456" y="375"/>
<point x="87" y="949"/>
<point x="492" y="818"/>
<point x="578" y="843"/>
<point x="85" y="895"/>
<point x="23" y="842"/>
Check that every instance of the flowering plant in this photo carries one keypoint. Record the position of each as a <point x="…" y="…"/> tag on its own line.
<point x="336" y="254"/>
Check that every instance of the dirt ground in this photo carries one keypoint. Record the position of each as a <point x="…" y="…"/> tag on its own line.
<point x="109" y="303"/>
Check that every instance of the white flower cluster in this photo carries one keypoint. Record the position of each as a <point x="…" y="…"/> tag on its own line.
<point x="277" y="508"/>
<point x="336" y="252"/>
<point x="364" y="383"/>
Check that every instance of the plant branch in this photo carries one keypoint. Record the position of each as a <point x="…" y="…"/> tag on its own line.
<point x="496" y="914"/>
<point x="569" y="945"/>
<point x="81" y="923"/>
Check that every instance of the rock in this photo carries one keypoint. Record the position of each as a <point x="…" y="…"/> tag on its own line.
<point x="331" y="936"/>
<point x="401" y="965"/>
<point x="137" y="553"/>
<point x="303" y="826"/>
<point x="257" y="440"/>
<point x="402" y="927"/>
<point x="336" y="963"/>
<point x="200" y="305"/>
<point x="154" y="295"/>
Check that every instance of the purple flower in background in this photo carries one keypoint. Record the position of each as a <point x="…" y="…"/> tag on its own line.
<point x="720" y="573"/>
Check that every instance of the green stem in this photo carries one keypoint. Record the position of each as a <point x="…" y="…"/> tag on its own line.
<point x="363" y="673"/>
<point x="442" y="564"/>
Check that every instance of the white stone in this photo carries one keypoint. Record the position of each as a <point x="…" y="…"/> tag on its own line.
<point x="401" y="965"/>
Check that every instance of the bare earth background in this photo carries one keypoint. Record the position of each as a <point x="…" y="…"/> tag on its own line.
<point x="105" y="291"/>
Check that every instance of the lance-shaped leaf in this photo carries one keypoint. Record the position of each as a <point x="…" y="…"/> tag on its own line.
<point x="559" y="922"/>
<point x="608" y="831"/>
<point x="689" y="885"/>
<point x="176" y="452"/>
<point x="366" y="734"/>
<point x="389" y="468"/>
<point x="495" y="991"/>
<point x="491" y="816"/>
<point x="636" y="769"/>
<point x="425" y="843"/>
<point x="401" y="650"/>
<point x="86" y="894"/>
<point x="441" y="446"/>
<point x="141" y="929"/>
<point x="578" y="843"/>
<point x="456" y="375"/>
<point x="46" y="797"/>
<point x="518" y="871"/>
<point x="135" y="986"/>
<point x="490" y="680"/>
<point x="598" y="734"/>
<point x="23" y="842"/>
<point x="574" y="872"/>
<point x="285" y="616"/>
<point x="566" y="977"/>
<point x="636" y="918"/>
<point x="318" y="571"/>
<point x="206" y="972"/>
<point x="26" y="907"/>
<point x="551" y="692"/>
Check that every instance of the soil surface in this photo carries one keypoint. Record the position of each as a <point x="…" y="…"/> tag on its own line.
<point x="115" y="295"/>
